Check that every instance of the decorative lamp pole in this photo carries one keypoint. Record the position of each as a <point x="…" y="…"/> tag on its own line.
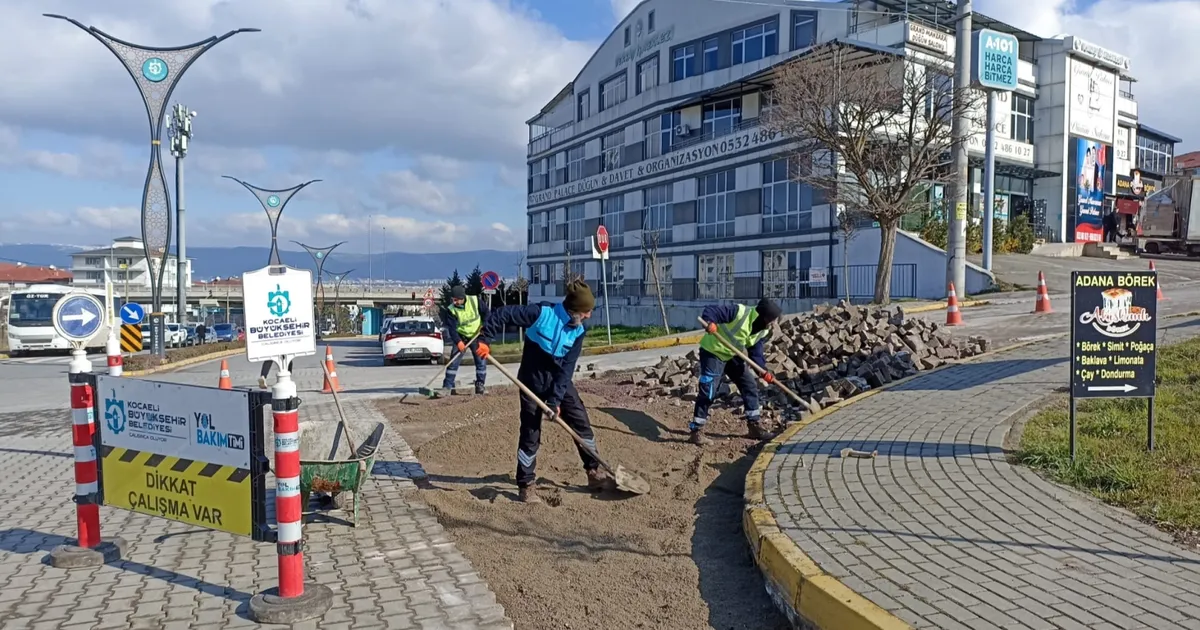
<point x="337" y="293"/>
<point x="319" y="254"/>
<point x="156" y="71"/>
<point x="180" y="130"/>
<point x="273" y="202"/>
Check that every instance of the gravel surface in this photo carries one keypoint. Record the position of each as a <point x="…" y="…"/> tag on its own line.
<point x="676" y="558"/>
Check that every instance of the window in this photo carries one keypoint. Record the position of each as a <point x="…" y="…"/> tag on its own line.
<point x="658" y="273"/>
<point x="756" y="42"/>
<point x="627" y="36"/>
<point x="939" y="95"/>
<point x="1154" y="155"/>
<point x="715" y="276"/>
<point x="613" y="92"/>
<point x="611" y="147"/>
<point x="1022" y="118"/>
<point x="715" y="205"/>
<point x="584" y="105"/>
<point x="125" y="261"/>
<point x="575" y="163"/>
<point x="683" y="62"/>
<point x="658" y="215"/>
<point x="612" y="216"/>
<point x="576" y="239"/>
<point x="539" y="176"/>
<point x="659" y="132"/>
<point x="722" y="117"/>
<point x="712" y="58"/>
<point x="93" y="262"/>
<point x="647" y="74"/>
<point x="650" y="22"/>
<point x="804" y="29"/>
<point x="786" y="204"/>
<point x="541" y="227"/>
<point x="785" y="273"/>
<point x="535" y="274"/>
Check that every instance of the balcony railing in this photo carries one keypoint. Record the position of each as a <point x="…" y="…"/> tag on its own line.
<point x="699" y="138"/>
<point x="1128" y="95"/>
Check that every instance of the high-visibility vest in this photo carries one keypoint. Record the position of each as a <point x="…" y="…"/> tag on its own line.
<point x="737" y="332"/>
<point x="469" y="321"/>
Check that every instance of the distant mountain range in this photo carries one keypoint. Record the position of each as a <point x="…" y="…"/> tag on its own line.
<point x="211" y="262"/>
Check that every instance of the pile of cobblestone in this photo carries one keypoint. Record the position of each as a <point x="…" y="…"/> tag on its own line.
<point x="830" y="354"/>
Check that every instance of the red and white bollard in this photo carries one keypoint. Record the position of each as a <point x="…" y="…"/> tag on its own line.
<point x="293" y="601"/>
<point x="116" y="364"/>
<point x="90" y="550"/>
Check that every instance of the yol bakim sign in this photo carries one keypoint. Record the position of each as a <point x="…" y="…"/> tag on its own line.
<point x="994" y="60"/>
<point x="182" y="452"/>
<point x="279" y="313"/>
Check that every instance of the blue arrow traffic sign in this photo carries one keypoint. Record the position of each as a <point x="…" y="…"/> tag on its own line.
<point x="132" y="313"/>
<point x="78" y="316"/>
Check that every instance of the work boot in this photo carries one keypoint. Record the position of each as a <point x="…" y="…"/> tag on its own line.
<point x="479" y="389"/>
<point x="756" y="431"/>
<point x="528" y="494"/>
<point x="598" y="479"/>
<point x="262" y="382"/>
<point x="697" y="438"/>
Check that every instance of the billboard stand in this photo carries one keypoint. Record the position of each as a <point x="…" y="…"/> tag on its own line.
<point x="1114" y="336"/>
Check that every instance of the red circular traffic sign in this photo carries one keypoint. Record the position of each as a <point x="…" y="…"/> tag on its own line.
<point x="490" y="280"/>
<point x="602" y="239"/>
<point x="428" y="302"/>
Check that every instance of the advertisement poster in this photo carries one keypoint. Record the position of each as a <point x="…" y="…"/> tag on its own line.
<point x="1091" y="172"/>
<point x="1093" y="101"/>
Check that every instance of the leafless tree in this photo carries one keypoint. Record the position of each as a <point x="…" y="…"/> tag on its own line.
<point x="872" y="131"/>
<point x="650" y="242"/>
<point x="848" y="222"/>
<point x="569" y="274"/>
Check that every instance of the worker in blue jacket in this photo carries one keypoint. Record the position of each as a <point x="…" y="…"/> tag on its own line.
<point x="746" y="328"/>
<point x="553" y="342"/>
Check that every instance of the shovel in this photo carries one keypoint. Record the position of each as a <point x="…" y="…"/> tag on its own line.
<point x="625" y="480"/>
<point x="351" y="442"/>
<point x="742" y="355"/>
<point x="428" y="390"/>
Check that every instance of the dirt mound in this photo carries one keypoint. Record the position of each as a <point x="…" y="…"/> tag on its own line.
<point x="676" y="558"/>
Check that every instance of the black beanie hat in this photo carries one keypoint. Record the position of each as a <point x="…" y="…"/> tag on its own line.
<point x="768" y="310"/>
<point x="579" y="298"/>
<point x="459" y="292"/>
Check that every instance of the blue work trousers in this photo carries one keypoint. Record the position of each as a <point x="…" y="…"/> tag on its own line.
<point x="452" y="369"/>
<point x="712" y="370"/>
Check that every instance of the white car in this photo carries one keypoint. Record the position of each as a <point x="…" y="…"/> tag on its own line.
<point x="412" y="339"/>
<point x="176" y="336"/>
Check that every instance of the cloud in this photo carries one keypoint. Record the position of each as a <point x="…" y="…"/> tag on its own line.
<point x="440" y="168"/>
<point x="95" y="159"/>
<point x="406" y="189"/>
<point x="621" y="8"/>
<point x="323" y="74"/>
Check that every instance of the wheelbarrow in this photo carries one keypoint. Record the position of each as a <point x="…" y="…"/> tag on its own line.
<point x="329" y="467"/>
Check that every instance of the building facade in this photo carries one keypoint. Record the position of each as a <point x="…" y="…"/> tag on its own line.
<point x="659" y="139"/>
<point x="124" y="264"/>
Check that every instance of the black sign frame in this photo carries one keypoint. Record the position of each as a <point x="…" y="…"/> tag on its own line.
<point x="1114" y="340"/>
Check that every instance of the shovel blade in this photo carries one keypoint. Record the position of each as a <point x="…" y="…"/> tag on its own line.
<point x="630" y="482"/>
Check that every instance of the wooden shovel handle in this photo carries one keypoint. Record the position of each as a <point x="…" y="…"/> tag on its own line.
<point x="550" y="412"/>
<point x="742" y="355"/>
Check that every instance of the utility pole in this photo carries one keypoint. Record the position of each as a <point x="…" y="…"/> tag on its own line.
<point x="956" y="240"/>
<point x="370" y="261"/>
<point x="181" y="136"/>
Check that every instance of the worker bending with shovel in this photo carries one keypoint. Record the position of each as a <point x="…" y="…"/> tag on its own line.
<point x="463" y="320"/>
<point x="745" y="328"/>
<point x="553" y="342"/>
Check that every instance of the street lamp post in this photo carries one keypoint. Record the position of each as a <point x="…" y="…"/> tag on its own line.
<point x="319" y="255"/>
<point x="337" y="293"/>
<point x="156" y="71"/>
<point x="273" y="202"/>
<point x="181" y="135"/>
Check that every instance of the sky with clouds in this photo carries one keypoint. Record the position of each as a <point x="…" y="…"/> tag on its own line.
<point x="412" y="113"/>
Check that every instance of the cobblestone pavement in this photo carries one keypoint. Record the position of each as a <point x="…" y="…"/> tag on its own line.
<point x="397" y="569"/>
<point x="941" y="531"/>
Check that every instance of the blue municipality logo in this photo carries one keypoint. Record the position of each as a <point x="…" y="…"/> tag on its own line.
<point x="278" y="302"/>
<point x="154" y="69"/>
<point x="273" y="201"/>
<point x="114" y="414"/>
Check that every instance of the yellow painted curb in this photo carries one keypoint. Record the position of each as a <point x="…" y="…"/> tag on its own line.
<point x="224" y="354"/>
<point x="937" y="306"/>
<point x="805" y="592"/>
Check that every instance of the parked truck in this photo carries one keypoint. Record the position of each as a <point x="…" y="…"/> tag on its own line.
<point x="1169" y="221"/>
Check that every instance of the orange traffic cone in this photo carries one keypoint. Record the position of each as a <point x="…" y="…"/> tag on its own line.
<point x="331" y="378"/>
<point x="953" y="316"/>
<point x="225" y="382"/>
<point x="1157" y="285"/>
<point x="1043" y="296"/>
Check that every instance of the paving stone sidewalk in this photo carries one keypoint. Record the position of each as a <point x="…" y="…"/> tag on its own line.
<point x="397" y="569"/>
<point x="941" y="531"/>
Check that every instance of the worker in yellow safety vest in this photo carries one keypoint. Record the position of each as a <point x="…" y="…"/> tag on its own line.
<point x="463" y="320"/>
<point x="746" y="328"/>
